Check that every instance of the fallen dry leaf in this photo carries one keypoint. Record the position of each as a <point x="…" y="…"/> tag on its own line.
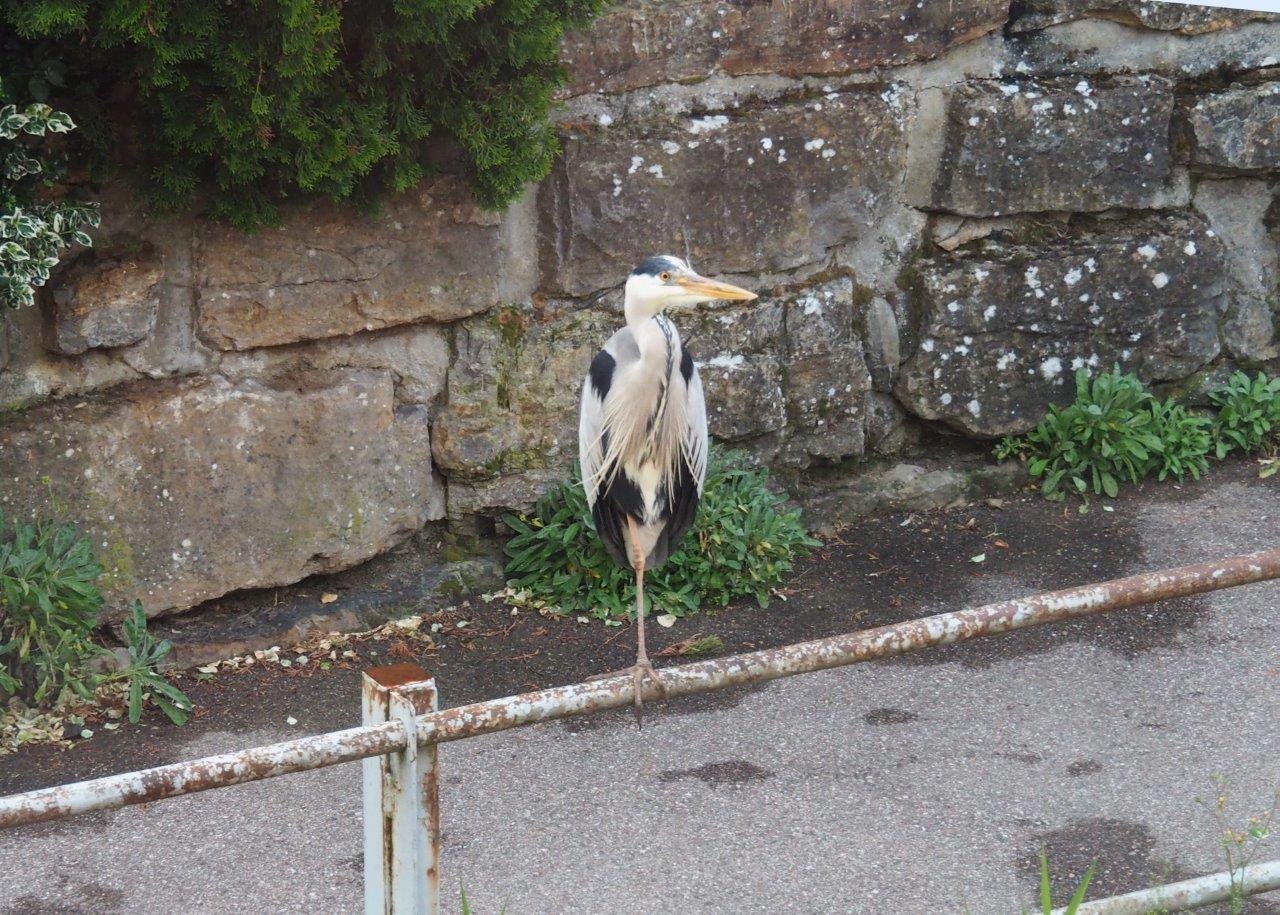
<point x="693" y="646"/>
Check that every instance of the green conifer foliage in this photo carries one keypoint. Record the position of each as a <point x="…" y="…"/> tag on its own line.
<point x="246" y="104"/>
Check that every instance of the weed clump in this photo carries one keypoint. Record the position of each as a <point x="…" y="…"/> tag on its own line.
<point x="49" y="606"/>
<point x="743" y="544"/>
<point x="1116" y="432"/>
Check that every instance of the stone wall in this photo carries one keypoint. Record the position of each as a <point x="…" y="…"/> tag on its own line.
<point x="946" y="207"/>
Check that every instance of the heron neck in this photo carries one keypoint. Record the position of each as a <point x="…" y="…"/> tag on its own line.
<point x="651" y="332"/>
<point x="635" y="313"/>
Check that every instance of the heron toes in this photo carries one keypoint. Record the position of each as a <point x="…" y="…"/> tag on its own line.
<point x="639" y="672"/>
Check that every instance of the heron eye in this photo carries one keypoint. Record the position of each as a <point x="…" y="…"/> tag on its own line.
<point x="664" y="276"/>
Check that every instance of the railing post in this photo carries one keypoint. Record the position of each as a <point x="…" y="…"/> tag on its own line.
<point x="401" y="799"/>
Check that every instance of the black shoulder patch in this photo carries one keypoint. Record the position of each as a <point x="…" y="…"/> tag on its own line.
<point x="686" y="362"/>
<point x="602" y="373"/>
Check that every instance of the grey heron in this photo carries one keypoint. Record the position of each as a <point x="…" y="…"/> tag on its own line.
<point x="642" y="431"/>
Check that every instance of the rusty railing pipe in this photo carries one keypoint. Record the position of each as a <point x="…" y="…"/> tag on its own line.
<point x="1188" y="894"/>
<point x="564" y="701"/>
<point x="146" y="785"/>
<point x="852" y="648"/>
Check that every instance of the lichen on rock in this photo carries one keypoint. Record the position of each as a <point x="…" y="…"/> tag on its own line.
<point x="1003" y="330"/>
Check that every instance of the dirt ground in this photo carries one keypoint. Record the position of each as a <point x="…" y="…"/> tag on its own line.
<point x="883" y="570"/>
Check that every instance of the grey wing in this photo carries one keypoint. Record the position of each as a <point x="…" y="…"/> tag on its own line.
<point x="592" y="427"/>
<point x="695" y="442"/>
<point x="590" y="437"/>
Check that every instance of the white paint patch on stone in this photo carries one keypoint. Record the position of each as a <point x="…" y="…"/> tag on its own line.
<point x="1032" y="276"/>
<point x="707" y="124"/>
<point x="726" y="361"/>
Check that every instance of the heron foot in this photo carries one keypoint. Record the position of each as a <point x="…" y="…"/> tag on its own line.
<point x="639" y="672"/>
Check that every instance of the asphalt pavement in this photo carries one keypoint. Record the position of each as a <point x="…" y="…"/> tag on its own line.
<point x="918" y="785"/>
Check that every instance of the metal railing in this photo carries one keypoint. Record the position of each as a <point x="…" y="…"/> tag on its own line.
<point x="1188" y="894"/>
<point x="402" y="726"/>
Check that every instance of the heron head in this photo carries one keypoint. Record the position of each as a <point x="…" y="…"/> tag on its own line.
<point x="665" y="281"/>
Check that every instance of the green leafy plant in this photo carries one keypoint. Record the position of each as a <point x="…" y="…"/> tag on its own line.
<point x="742" y="545"/>
<point x="35" y="227"/>
<point x="1248" y="413"/>
<point x="140" y="673"/>
<point x="49" y="605"/>
<point x="250" y="105"/>
<point x="1046" y="896"/>
<point x="1114" y="432"/>
<point x="1106" y="436"/>
<point x="48" y="610"/>
<point x="1185" y="440"/>
<point x="1009" y="447"/>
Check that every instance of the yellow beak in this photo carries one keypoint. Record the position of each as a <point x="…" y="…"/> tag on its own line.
<point x="713" y="289"/>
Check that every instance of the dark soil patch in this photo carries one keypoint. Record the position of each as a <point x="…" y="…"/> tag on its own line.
<point x="884" y="570"/>
<point x="890" y="716"/>
<point x="1084" y="767"/>
<point x="732" y="773"/>
<point x="95" y="899"/>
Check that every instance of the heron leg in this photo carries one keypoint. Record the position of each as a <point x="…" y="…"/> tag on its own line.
<point x="643" y="668"/>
